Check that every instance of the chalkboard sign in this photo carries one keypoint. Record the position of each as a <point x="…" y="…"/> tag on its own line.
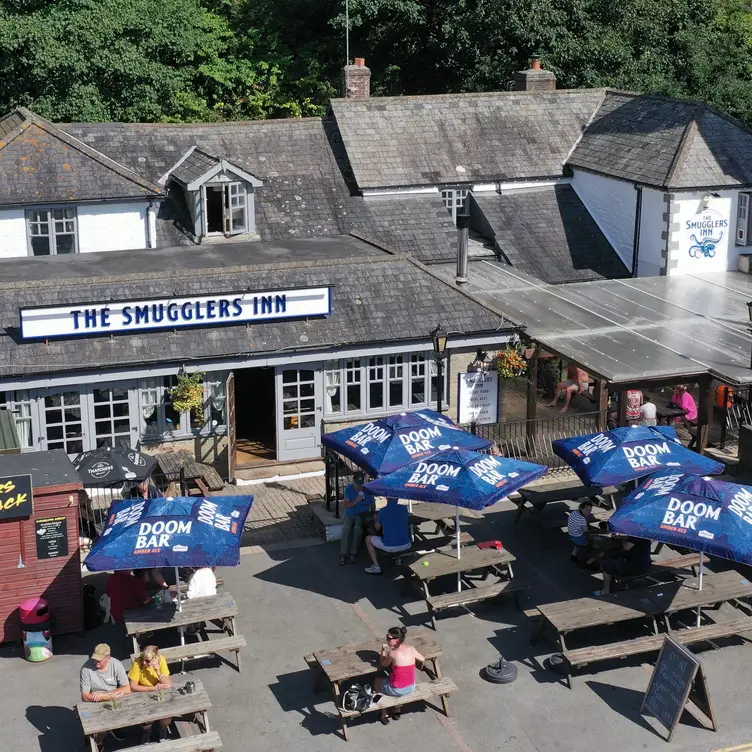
<point x="52" y="537"/>
<point x="676" y="677"/>
<point x="16" y="497"/>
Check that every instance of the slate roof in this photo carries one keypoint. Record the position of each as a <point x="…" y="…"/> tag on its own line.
<point x="459" y="138"/>
<point x="548" y="233"/>
<point x="667" y="143"/>
<point x="375" y="298"/>
<point x="40" y="163"/>
<point x="194" y="165"/>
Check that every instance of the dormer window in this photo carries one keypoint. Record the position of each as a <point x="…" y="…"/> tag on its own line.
<point x="220" y="194"/>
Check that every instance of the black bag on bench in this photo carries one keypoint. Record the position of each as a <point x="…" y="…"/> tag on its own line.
<point x="357" y="698"/>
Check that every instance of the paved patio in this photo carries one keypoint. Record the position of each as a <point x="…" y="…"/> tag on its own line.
<point x="296" y="600"/>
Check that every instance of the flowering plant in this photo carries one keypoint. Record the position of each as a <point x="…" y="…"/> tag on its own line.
<point x="510" y="364"/>
<point x="188" y="394"/>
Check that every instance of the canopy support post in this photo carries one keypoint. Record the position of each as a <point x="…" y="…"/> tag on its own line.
<point x="704" y="414"/>
<point x="532" y="402"/>
<point x="699" y="584"/>
<point x="601" y="399"/>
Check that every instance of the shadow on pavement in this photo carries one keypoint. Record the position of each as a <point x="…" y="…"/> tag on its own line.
<point x="624" y="701"/>
<point x="59" y="728"/>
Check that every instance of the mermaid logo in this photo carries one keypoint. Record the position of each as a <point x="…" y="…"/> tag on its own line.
<point x="706" y="231"/>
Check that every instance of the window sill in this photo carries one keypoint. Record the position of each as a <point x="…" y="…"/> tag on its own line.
<point x="334" y="417"/>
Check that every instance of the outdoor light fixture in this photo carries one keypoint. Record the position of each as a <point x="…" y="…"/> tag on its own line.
<point x="439" y="340"/>
<point x="749" y="311"/>
<point x="706" y="200"/>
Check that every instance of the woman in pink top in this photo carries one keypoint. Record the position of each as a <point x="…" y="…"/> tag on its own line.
<point x="683" y="399"/>
<point x="400" y="658"/>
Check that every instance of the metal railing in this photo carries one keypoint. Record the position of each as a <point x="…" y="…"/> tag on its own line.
<point x="530" y="440"/>
<point x="738" y="413"/>
<point x="338" y="475"/>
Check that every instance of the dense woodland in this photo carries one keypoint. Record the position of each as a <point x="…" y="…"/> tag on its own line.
<point x="208" y="60"/>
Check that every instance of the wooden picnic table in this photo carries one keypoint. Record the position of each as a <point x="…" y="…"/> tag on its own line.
<point x="152" y="618"/>
<point x="716" y="588"/>
<point x="428" y="511"/>
<point x="348" y="662"/>
<point x="441" y="563"/>
<point x="139" y="708"/>
<point x="562" y="491"/>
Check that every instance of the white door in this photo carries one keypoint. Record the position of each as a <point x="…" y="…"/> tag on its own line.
<point x="299" y="411"/>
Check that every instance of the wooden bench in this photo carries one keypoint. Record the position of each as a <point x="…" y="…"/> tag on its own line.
<point x="537" y="498"/>
<point x="639" y="645"/>
<point x="441" y="688"/>
<point x="475" y="594"/>
<point x="184" y="585"/>
<point x="198" y="743"/>
<point x="202" y="649"/>
<point x="665" y="566"/>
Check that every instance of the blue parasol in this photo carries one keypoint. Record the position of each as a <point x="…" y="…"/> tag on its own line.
<point x="704" y="514"/>
<point x="385" y="445"/>
<point x="185" y="531"/>
<point x="458" y="477"/>
<point x="624" y="454"/>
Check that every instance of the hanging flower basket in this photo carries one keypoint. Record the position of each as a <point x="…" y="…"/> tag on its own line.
<point x="510" y="364"/>
<point x="188" y="394"/>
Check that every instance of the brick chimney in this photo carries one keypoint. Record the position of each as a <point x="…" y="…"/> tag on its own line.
<point x="356" y="80"/>
<point x="534" y="78"/>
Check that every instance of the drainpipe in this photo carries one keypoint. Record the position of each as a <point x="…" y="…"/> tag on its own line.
<point x="637" y="223"/>
<point x="151" y="226"/>
<point x="463" y="231"/>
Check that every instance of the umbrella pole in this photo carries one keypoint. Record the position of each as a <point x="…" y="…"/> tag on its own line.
<point x="699" y="584"/>
<point x="457" y="534"/>
<point x="180" y="608"/>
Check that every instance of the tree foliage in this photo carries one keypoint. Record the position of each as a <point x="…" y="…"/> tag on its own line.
<point x="232" y="59"/>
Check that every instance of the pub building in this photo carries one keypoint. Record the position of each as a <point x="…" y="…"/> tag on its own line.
<point x="334" y="330"/>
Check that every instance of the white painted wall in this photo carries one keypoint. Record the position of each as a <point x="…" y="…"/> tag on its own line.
<point x="12" y="233"/>
<point x="112" y="227"/>
<point x="718" y="224"/>
<point x="650" y="260"/>
<point x="611" y="203"/>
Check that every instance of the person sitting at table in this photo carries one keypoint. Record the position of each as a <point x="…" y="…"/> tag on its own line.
<point x="400" y="658"/>
<point x="202" y="582"/>
<point x="144" y="489"/>
<point x="392" y="522"/>
<point x="684" y="400"/>
<point x="648" y="412"/>
<point x="150" y="672"/>
<point x="577" y="381"/>
<point x="125" y="591"/>
<point x="103" y="679"/>
<point x="154" y="582"/>
<point x="579" y="533"/>
<point x="631" y="559"/>
<point x="358" y="504"/>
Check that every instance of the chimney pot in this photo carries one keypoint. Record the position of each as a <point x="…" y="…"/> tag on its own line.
<point x="360" y="62"/>
<point x="535" y="63"/>
<point x="356" y="80"/>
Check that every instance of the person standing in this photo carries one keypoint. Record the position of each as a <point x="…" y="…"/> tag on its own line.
<point x="125" y="591"/>
<point x="103" y="679"/>
<point x="393" y="523"/>
<point x="648" y="413"/>
<point x="358" y="505"/>
<point x="634" y="402"/>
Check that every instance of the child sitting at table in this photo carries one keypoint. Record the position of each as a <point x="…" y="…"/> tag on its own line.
<point x="579" y="534"/>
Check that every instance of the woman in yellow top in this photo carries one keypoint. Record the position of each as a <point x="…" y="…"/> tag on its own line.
<point x="150" y="672"/>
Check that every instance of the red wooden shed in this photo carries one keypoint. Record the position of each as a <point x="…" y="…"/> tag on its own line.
<point x="39" y="546"/>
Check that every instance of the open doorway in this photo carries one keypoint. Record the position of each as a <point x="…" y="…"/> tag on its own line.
<point x="255" y="416"/>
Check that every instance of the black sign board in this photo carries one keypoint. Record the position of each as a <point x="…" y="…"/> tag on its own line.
<point x="677" y="683"/>
<point x="16" y="497"/>
<point x="52" y="537"/>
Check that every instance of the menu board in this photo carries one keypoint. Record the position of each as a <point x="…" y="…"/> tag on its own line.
<point x="52" y="537"/>
<point x="478" y="397"/>
<point x="16" y="497"/>
<point x="672" y="681"/>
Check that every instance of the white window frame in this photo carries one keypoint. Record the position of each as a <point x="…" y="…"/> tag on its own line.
<point x="157" y="389"/>
<point x="339" y="371"/>
<point x="52" y="228"/>
<point x="455" y="201"/>
<point x="21" y="405"/>
<point x="743" y="218"/>
<point x="231" y="203"/>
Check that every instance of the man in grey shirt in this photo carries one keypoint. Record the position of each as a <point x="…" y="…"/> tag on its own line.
<point x="103" y="678"/>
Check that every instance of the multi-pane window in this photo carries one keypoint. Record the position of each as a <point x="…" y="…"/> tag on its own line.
<point x="298" y="399"/>
<point x="455" y="200"/>
<point x="226" y="208"/>
<point x="19" y="404"/>
<point x="52" y="231"/>
<point x="237" y="208"/>
<point x="63" y="422"/>
<point x="159" y="417"/>
<point x="742" y="219"/>
<point x="112" y="424"/>
<point x="380" y="384"/>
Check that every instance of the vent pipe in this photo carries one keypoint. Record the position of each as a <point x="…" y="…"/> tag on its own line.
<point x="463" y="232"/>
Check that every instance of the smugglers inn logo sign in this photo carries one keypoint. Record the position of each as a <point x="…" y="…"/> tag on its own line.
<point x="705" y="231"/>
<point x="88" y="319"/>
